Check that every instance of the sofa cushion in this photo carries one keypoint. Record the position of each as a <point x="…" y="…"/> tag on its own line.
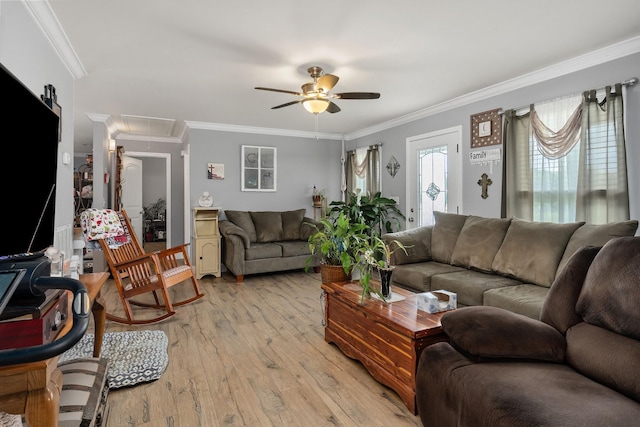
<point x="445" y="234"/>
<point x="479" y="241"/>
<point x="418" y="276"/>
<point x="243" y="220"/>
<point x="597" y="235"/>
<point x="263" y="251"/>
<point x="612" y="278"/>
<point x="294" y="248"/>
<point x="525" y="299"/>
<point x="470" y="285"/>
<point x="291" y="222"/>
<point x="268" y="226"/>
<point x="532" y="250"/>
<point x="606" y="357"/>
<point x="417" y="242"/>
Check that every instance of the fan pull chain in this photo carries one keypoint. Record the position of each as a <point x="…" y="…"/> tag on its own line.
<point x="316" y="114"/>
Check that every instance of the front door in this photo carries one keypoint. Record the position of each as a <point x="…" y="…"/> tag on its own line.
<point x="434" y="181"/>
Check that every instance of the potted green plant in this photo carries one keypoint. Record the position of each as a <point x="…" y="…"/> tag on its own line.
<point x="339" y="240"/>
<point x="380" y="214"/>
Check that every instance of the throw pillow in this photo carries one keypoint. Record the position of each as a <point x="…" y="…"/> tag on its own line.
<point x="243" y="220"/>
<point x="605" y="299"/>
<point x="268" y="226"/>
<point x="531" y="250"/>
<point x="596" y="235"/>
<point x="416" y="242"/>
<point x="445" y="235"/>
<point x="479" y="241"/>
<point x="291" y="222"/>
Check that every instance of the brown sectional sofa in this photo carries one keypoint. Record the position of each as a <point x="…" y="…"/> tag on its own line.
<point x="507" y="263"/>
<point x="579" y="365"/>
<point x="266" y="241"/>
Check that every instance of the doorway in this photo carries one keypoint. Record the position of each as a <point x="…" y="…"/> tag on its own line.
<point x="434" y="181"/>
<point x="156" y="170"/>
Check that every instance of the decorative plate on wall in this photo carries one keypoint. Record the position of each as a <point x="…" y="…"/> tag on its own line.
<point x="486" y="128"/>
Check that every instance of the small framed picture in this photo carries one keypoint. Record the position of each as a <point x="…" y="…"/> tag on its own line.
<point x="484" y="129"/>
<point x="215" y="171"/>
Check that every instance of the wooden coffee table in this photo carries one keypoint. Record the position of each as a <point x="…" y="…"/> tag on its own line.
<point x="387" y="338"/>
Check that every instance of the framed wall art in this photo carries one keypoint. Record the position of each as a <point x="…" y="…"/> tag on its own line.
<point x="215" y="171"/>
<point x="486" y="128"/>
<point x="259" y="168"/>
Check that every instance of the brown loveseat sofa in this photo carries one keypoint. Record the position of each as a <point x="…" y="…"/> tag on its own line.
<point x="507" y="263"/>
<point x="266" y="241"/>
<point x="578" y="366"/>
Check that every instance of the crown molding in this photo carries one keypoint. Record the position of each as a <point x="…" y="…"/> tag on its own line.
<point x="50" y="26"/>
<point x="597" y="57"/>
<point x="261" y="130"/>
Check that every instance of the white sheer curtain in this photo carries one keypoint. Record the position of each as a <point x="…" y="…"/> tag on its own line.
<point x="565" y="160"/>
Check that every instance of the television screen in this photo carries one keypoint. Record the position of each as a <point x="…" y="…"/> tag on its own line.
<point x="27" y="169"/>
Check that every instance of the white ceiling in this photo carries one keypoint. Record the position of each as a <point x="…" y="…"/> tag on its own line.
<point x="199" y="60"/>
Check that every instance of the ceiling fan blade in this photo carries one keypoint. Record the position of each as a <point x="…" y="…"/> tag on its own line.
<point x="332" y="108"/>
<point x="280" y="90"/>
<point x="286" y="104"/>
<point x="326" y="82"/>
<point x="357" y="95"/>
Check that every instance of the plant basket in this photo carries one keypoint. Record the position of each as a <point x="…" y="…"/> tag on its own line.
<point x="333" y="273"/>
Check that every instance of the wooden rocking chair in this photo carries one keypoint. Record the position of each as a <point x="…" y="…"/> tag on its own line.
<point x="136" y="272"/>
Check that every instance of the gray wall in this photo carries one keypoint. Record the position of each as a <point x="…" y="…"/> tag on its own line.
<point x="154" y="178"/>
<point x="27" y="53"/>
<point x="301" y="164"/>
<point x="394" y="139"/>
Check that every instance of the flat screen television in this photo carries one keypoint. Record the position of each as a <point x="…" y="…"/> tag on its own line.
<point x="28" y="169"/>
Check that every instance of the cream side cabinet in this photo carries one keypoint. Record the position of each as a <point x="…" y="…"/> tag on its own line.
<point x="206" y="241"/>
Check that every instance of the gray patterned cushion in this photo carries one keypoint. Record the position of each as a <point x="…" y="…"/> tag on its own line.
<point x="134" y="356"/>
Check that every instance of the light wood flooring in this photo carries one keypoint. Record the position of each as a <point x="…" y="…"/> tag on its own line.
<point x="253" y="354"/>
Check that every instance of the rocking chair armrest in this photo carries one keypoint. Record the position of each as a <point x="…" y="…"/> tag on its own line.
<point x="173" y="250"/>
<point x="141" y="259"/>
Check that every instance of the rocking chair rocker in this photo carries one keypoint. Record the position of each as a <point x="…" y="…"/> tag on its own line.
<point x="136" y="272"/>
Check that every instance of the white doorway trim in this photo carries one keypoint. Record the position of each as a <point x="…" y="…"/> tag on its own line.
<point x="167" y="157"/>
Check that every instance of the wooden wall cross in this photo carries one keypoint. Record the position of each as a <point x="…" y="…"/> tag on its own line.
<point x="485" y="182"/>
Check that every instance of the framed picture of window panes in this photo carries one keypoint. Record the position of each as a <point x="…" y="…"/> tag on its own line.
<point x="259" y="168"/>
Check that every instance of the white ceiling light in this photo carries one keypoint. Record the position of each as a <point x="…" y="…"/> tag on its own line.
<point x="315" y="105"/>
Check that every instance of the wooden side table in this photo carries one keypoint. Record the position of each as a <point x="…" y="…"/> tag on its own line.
<point x="33" y="389"/>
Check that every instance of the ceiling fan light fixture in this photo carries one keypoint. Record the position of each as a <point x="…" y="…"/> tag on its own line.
<point x="315" y="105"/>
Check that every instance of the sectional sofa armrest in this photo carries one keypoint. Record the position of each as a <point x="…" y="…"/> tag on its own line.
<point x="228" y="229"/>
<point x="491" y="333"/>
<point x="417" y="242"/>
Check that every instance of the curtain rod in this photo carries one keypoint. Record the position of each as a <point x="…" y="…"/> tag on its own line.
<point x="630" y="82"/>
<point x="379" y="144"/>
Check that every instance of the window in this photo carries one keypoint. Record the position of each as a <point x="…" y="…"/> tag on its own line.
<point x="565" y="160"/>
<point x="363" y="170"/>
<point x="258" y="168"/>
